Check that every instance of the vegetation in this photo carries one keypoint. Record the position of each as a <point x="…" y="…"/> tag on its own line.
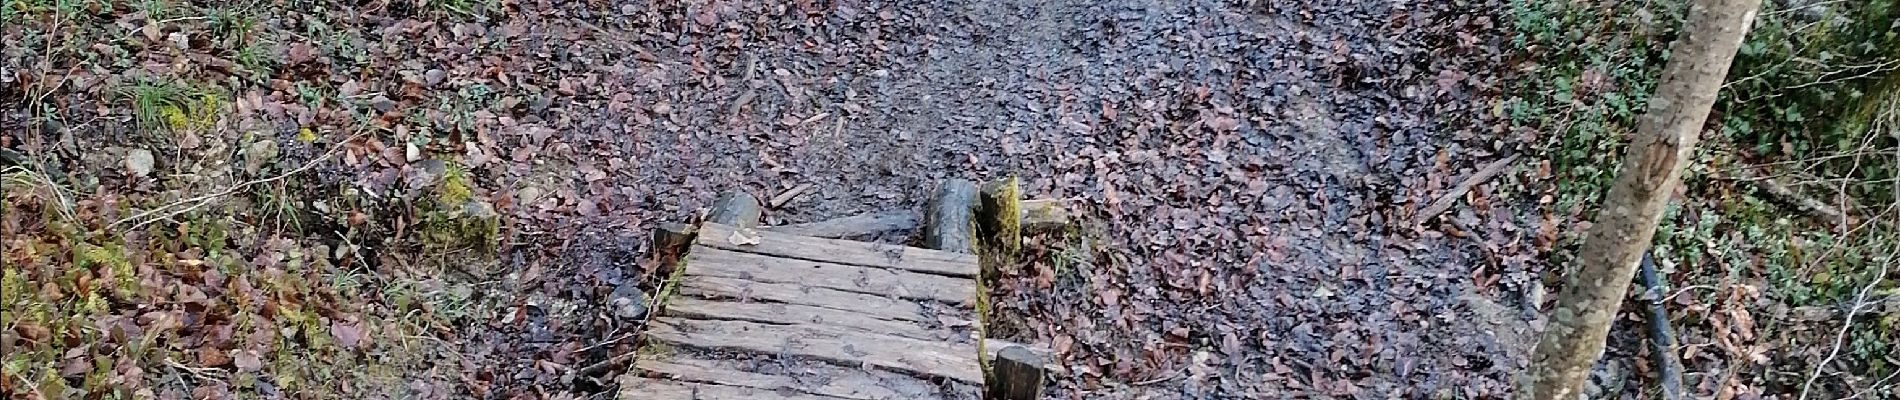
<point x="1810" y="107"/>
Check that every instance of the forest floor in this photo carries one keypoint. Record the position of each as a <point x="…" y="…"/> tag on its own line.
<point x="434" y="199"/>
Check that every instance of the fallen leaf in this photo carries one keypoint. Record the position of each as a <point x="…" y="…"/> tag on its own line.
<point x="139" y="162"/>
<point x="247" y="361"/>
<point x="744" y="237"/>
<point x="347" y="335"/>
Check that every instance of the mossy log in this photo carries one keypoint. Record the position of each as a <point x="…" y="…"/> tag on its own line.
<point x="949" y="224"/>
<point x="1044" y="216"/>
<point x="999" y="216"/>
<point x="736" y="208"/>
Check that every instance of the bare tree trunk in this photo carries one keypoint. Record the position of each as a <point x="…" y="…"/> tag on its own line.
<point x="1665" y="140"/>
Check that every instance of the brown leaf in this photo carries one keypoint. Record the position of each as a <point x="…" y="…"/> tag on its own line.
<point x="347" y="335"/>
<point x="301" y="52"/>
<point x="212" y="357"/>
<point x="248" y="361"/>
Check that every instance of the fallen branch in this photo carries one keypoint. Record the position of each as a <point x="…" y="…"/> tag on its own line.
<point x="1890" y="305"/>
<point x="789" y="194"/>
<point x="1444" y="202"/>
<point x="1780" y="192"/>
<point x="1662" y="338"/>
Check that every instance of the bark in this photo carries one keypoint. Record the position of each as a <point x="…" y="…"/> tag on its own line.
<point x="1016" y="375"/>
<point x="950" y="223"/>
<point x="999" y="217"/>
<point x="1665" y="139"/>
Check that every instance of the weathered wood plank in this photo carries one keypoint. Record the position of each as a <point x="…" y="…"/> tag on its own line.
<point x="707" y="261"/>
<point x="721" y="236"/>
<point x="634" y="387"/>
<point x="797" y="314"/>
<point x="926" y="358"/>
<point x="876" y="306"/>
<point x="856" y="225"/>
<point x="815" y="378"/>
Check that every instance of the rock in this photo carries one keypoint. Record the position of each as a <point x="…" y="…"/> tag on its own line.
<point x="627" y="301"/>
<point x="139" y="162"/>
<point x="258" y="155"/>
<point x="382" y="103"/>
<point x="433" y="76"/>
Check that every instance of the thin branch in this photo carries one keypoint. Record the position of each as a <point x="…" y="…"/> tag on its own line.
<point x="187" y="205"/>
<point x="1840" y="338"/>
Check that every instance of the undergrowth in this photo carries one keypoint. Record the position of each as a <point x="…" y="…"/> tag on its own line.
<point x="1804" y="108"/>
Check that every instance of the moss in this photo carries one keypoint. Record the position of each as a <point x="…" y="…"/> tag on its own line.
<point x="999" y="216"/>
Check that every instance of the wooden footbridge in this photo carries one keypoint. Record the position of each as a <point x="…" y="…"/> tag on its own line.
<point x="759" y="313"/>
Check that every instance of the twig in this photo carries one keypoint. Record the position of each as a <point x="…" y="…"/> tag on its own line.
<point x="1840" y="338"/>
<point x="187" y="205"/>
<point x="198" y="372"/>
<point x="1445" y="201"/>
<point x="1177" y="373"/>
<point x="1662" y="338"/>
<point x="602" y="366"/>
<point x="789" y="194"/>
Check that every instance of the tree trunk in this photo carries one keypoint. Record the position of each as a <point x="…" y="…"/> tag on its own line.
<point x="1665" y="139"/>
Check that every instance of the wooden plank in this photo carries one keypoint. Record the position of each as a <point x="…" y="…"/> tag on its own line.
<point x="797" y="314"/>
<point x="815" y="378"/>
<point x="635" y="387"/>
<point x="706" y="261"/>
<point x="853" y="226"/>
<point x="876" y="306"/>
<point x="920" y="357"/>
<point x="839" y="251"/>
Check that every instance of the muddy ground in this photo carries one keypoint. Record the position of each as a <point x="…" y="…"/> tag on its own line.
<point x="1251" y="172"/>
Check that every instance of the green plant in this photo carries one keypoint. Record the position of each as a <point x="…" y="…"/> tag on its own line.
<point x="157" y="103"/>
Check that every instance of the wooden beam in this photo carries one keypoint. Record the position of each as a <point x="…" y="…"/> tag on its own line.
<point x="767" y="242"/>
<point x="919" y="357"/>
<point x="1044" y="215"/>
<point x="950" y="223"/>
<point x="798" y="314"/>
<point x="853" y="226"/>
<point x="835" y="381"/>
<point x="849" y="278"/>
<point x="636" y="387"/>
<point x="877" y="306"/>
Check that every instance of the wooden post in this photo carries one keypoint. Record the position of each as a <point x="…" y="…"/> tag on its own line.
<point x="736" y="208"/>
<point x="999" y="217"/>
<point x="670" y="240"/>
<point x="949" y="224"/>
<point x="1015" y="374"/>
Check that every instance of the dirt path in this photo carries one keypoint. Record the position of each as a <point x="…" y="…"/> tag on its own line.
<point x="1249" y="167"/>
<point x="1246" y="167"/>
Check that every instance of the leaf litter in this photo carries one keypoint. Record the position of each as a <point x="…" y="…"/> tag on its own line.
<point x="1249" y="172"/>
